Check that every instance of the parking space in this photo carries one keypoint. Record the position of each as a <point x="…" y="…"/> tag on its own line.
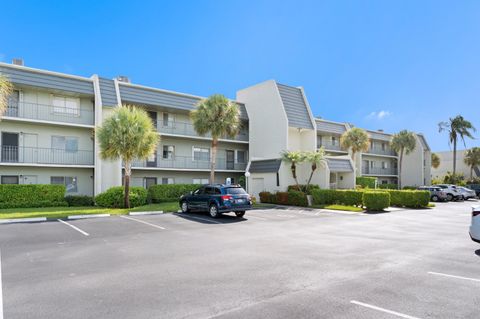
<point x="272" y="263"/>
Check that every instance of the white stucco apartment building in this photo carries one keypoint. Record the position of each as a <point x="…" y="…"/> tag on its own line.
<point x="446" y="165"/>
<point x="47" y="136"/>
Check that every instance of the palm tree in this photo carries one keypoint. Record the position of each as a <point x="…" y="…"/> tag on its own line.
<point x="456" y="127"/>
<point x="294" y="158"/>
<point x="6" y="88"/>
<point x="218" y="116"/>
<point x="403" y="143"/>
<point x="127" y="134"/>
<point x="435" y="160"/>
<point x="355" y="139"/>
<point x="472" y="159"/>
<point x="314" y="158"/>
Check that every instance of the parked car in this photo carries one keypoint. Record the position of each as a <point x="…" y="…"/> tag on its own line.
<point x="467" y="192"/>
<point x="475" y="225"/>
<point x="436" y="193"/>
<point x="216" y="199"/>
<point x="452" y="191"/>
<point x="475" y="187"/>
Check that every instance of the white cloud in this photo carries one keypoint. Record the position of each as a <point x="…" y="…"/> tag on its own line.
<point x="380" y="115"/>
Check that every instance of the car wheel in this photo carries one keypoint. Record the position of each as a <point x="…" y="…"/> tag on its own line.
<point x="213" y="210"/>
<point x="184" y="207"/>
<point x="435" y="198"/>
<point x="449" y="197"/>
<point x="240" y="214"/>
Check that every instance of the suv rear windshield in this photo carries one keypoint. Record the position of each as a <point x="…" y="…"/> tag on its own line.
<point x="235" y="190"/>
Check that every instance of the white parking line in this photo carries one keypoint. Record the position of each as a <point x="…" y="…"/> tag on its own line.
<point x="143" y="222"/>
<point x="1" y="292"/>
<point x="453" y="276"/>
<point x="204" y="219"/>
<point x="398" y="314"/>
<point x="74" y="227"/>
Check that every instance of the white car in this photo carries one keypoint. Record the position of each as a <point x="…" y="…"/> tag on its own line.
<point x="452" y="191"/>
<point x="467" y="192"/>
<point x="475" y="226"/>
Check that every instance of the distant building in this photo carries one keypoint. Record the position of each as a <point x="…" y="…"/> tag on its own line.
<point x="446" y="165"/>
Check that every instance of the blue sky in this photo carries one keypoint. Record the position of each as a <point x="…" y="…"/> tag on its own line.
<point x="378" y="64"/>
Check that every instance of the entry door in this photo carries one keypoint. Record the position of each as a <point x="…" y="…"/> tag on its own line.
<point x="153" y="117"/>
<point x="152" y="160"/>
<point x="230" y="159"/>
<point x="366" y="167"/>
<point x="29" y="152"/>
<point x="258" y="185"/>
<point x="149" y="181"/>
<point x="29" y="179"/>
<point x="9" y="147"/>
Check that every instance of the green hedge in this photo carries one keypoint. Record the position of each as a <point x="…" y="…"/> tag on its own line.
<point x="169" y="193"/>
<point x="409" y="198"/>
<point x="293" y="198"/>
<point x="23" y="196"/>
<point x="114" y="198"/>
<point x="281" y="198"/>
<point x="79" y="200"/>
<point x="366" y="182"/>
<point x="388" y="186"/>
<point x="265" y="197"/>
<point x="303" y="188"/>
<point x="296" y="198"/>
<point x="341" y="197"/>
<point x="411" y="188"/>
<point x="376" y="201"/>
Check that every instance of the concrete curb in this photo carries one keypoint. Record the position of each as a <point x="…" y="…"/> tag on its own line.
<point x="146" y="213"/>
<point x="88" y="216"/>
<point x="23" y="220"/>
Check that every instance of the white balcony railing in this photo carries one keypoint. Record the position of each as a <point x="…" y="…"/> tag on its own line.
<point x="380" y="151"/>
<point x="184" y="162"/>
<point x="37" y="155"/>
<point x="379" y="171"/>
<point x="187" y="129"/>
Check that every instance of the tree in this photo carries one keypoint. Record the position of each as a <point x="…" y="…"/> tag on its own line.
<point x="6" y="88"/>
<point x="355" y="139"/>
<point x="294" y="158"/>
<point x="218" y="116"/>
<point x="403" y="143"/>
<point x="314" y="158"/>
<point x="435" y="160"/>
<point x="127" y="134"/>
<point x="472" y="159"/>
<point x="456" y="127"/>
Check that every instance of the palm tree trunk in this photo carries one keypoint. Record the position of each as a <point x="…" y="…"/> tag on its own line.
<point x="294" y="174"/>
<point x="471" y="172"/>
<point x="400" y="169"/>
<point x="128" y="172"/>
<point x="314" y="167"/>
<point x="213" y="160"/>
<point x="454" y="156"/>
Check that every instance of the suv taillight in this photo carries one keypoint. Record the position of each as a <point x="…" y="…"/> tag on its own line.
<point x="475" y="213"/>
<point x="227" y="197"/>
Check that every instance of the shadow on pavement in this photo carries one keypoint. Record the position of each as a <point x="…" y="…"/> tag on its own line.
<point x="204" y="218"/>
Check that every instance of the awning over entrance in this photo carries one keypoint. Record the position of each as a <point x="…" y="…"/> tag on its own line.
<point x="265" y="166"/>
<point x="339" y="165"/>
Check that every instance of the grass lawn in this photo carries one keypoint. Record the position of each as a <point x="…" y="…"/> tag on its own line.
<point x="341" y="207"/>
<point x="61" y="212"/>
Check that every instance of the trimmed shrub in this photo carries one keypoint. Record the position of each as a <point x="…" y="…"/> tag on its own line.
<point x="169" y="193"/>
<point x="409" y="188"/>
<point x="351" y="197"/>
<point x="376" y="201"/>
<point x="281" y="198"/>
<point x="324" y="196"/>
<point x="79" y="200"/>
<point x="388" y="186"/>
<point x="409" y="198"/>
<point x="38" y="195"/>
<point x="366" y="182"/>
<point x="265" y="197"/>
<point x="342" y="197"/>
<point x="296" y="198"/>
<point x="113" y="197"/>
<point x="303" y="188"/>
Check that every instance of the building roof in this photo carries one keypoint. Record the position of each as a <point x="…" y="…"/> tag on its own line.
<point x="330" y="126"/>
<point x="295" y="106"/>
<point x="265" y="166"/>
<point x="424" y="142"/>
<point x="337" y="165"/>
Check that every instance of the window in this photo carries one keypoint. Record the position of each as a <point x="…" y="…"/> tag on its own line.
<point x="168" y="152"/>
<point x="200" y="181"/>
<point x="201" y="154"/>
<point x="149" y="181"/>
<point x="383" y="146"/>
<point x="70" y="182"/>
<point x="384" y="182"/>
<point x="384" y="165"/>
<point x="69" y="144"/>
<point x="235" y="190"/>
<point x="9" y="179"/>
<point x="66" y="105"/>
<point x="241" y="156"/>
<point x="278" y="179"/>
<point x="166" y="119"/>
<point x="167" y="180"/>
<point x="371" y="144"/>
<point x="334" y="140"/>
<point x="372" y="164"/>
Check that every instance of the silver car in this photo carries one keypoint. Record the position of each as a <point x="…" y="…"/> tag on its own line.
<point x="452" y="192"/>
<point x="467" y="192"/>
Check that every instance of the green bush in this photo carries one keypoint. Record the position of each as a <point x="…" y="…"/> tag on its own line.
<point x="303" y="188"/>
<point x="376" y="201"/>
<point x="114" y="198"/>
<point x="281" y="198"/>
<point x="409" y="198"/>
<point x="411" y="188"/>
<point x="169" y="193"/>
<point x="351" y="197"/>
<point x="265" y="197"/>
<point x="341" y="197"/>
<point x="23" y="196"/>
<point x="324" y="196"/>
<point x="388" y="186"/>
<point x="79" y="200"/>
<point x="366" y="182"/>
<point x="296" y="198"/>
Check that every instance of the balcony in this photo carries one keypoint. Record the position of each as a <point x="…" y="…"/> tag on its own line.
<point x="380" y="151"/>
<point x="36" y="155"/>
<point x="328" y="146"/>
<point x="187" y="129"/>
<point x="44" y="112"/>
<point x="379" y="171"/>
<point x="183" y="162"/>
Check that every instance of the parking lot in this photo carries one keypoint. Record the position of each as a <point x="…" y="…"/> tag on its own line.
<point x="275" y="263"/>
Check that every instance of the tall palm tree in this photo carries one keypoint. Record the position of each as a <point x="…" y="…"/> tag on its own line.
<point x="314" y="158"/>
<point x="6" y="88"/>
<point x="472" y="159"/>
<point x="403" y="143"/>
<point x="127" y="134"/>
<point x="294" y="158"/>
<point x="457" y="127"/>
<point x="435" y="160"/>
<point x="356" y="139"/>
<point x="218" y="116"/>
